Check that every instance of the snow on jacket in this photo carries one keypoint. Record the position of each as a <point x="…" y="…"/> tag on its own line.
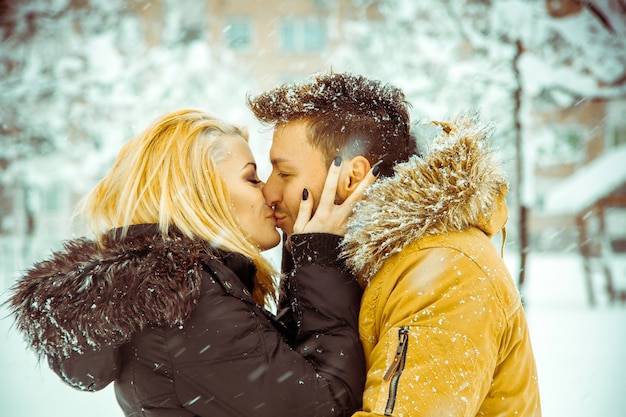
<point x="441" y="322"/>
<point x="174" y="324"/>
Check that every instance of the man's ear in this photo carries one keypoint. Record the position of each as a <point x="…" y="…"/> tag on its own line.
<point x="353" y="172"/>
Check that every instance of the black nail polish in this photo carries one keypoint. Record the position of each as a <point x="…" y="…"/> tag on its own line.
<point x="337" y="161"/>
<point x="305" y="194"/>
<point x="376" y="168"/>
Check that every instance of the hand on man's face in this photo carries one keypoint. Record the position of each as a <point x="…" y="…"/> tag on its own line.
<point x="332" y="213"/>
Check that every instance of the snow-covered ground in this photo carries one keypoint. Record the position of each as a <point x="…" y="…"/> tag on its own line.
<point x="580" y="351"/>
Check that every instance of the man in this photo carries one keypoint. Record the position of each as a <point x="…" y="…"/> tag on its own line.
<point x="441" y="322"/>
<point x="344" y="122"/>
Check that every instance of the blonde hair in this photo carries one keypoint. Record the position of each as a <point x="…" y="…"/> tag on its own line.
<point x="167" y="175"/>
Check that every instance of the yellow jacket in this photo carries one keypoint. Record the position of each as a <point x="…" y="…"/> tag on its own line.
<point x="441" y="322"/>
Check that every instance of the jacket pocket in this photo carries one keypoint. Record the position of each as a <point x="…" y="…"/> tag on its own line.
<point x="394" y="371"/>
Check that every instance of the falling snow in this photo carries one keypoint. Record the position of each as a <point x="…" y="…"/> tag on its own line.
<point x="579" y="350"/>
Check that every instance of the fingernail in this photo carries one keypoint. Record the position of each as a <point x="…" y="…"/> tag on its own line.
<point x="337" y="161"/>
<point x="305" y="194"/>
<point x="376" y="168"/>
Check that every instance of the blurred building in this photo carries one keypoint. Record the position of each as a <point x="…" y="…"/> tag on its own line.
<point x="583" y="202"/>
<point x="275" y="40"/>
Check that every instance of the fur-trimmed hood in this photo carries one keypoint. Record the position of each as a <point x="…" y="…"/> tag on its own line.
<point x="456" y="185"/>
<point x="86" y="295"/>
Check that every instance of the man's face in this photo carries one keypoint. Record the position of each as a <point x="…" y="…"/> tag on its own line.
<point x="295" y="165"/>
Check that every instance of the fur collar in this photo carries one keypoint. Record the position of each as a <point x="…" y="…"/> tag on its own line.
<point x="455" y="186"/>
<point x="87" y="295"/>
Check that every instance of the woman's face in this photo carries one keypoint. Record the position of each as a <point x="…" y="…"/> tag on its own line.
<point x="236" y="165"/>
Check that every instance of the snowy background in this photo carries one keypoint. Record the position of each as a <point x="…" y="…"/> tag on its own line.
<point x="77" y="79"/>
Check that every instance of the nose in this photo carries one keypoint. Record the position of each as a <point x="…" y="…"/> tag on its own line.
<point x="271" y="192"/>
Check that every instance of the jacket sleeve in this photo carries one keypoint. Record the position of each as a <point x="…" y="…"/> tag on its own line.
<point x="312" y="255"/>
<point x="249" y="368"/>
<point x="326" y="300"/>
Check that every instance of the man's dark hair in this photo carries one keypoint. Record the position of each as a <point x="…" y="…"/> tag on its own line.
<point x="346" y="115"/>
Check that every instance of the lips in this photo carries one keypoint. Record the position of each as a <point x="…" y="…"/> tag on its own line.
<point x="279" y="219"/>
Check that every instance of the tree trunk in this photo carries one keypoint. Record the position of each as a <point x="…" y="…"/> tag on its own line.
<point x="519" y="168"/>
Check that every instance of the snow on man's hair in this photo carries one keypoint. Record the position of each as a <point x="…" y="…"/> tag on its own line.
<point x="331" y="93"/>
<point x="344" y="105"/>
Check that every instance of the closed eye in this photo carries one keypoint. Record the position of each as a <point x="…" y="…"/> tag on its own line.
<point x="251" y="174"/>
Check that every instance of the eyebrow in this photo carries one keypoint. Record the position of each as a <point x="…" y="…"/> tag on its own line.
<point x="276" y="161"/>
<point x="249" y="163"/>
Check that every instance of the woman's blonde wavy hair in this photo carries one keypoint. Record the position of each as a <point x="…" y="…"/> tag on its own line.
<point x="167" y="175"/>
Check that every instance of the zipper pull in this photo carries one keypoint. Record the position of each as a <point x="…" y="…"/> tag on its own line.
<point x="403" y="336"/>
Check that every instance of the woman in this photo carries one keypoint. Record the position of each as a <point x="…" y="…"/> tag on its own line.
<point x="168" y="301"/>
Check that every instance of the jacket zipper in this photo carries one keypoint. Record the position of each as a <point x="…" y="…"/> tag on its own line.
<point x="394" y="371"/>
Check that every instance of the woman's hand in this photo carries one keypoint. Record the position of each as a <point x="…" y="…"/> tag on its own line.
<point x="330" y="217"/>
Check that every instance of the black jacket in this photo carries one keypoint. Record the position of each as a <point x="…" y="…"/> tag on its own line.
<point x="173" y="323"/>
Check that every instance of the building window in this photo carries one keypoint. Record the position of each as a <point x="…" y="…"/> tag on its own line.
<point x="560" y="145"/>
<point x="323" y="4"/>
<point x="302" y="35"/>
<point x="619" y="136"/>
<point x="184" y="21"/>
<point x="238" y="33"/>
<point x="51" y="199"/>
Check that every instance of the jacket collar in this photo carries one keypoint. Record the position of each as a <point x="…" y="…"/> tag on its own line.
<point x="89" y="295"/>
<point x="456" y="185"/>
<point x="242" y="266"/>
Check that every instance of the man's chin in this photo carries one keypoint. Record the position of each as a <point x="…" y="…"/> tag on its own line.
<point x="283" y="225"/>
